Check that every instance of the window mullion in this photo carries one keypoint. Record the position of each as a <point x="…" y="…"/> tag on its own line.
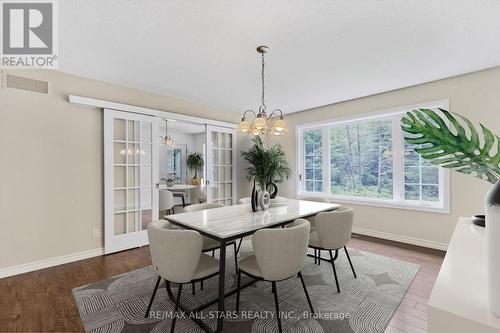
<point x="397" y="160"/>
<point x="325" y="150"/>
<point x="300" y="163"/>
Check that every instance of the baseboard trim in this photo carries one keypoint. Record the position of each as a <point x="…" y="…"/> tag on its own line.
<point x="45" y="263"/>
<point x="401" y="238"/>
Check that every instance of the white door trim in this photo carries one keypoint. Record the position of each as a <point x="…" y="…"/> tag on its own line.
<point x="112" y="242"/>
<point x="209" y="176"/>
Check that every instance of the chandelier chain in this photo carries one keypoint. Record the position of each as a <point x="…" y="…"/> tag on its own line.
<point x="262" y="75"/>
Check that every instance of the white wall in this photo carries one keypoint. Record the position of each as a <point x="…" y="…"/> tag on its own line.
<point x="51" y="178"/>
<point x="475" y="95"/>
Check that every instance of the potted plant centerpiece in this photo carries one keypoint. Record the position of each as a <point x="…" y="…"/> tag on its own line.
<point x="267" y="168"/>
<point x="195" y="162"/>
<point x="452" y="146"/>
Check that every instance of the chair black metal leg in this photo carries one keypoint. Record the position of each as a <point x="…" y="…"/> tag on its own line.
<point x="334" y="271"/>
<point x="275" y="291"/>
<point x="173" y="210"/>
<point x="305" y="290"/>
<point x="172" y="326"/>
<point x="239" y="245"/>
<point x="152" y="297"/>
<point x="201" y="284"/>
<point x="319" y="257"/>
<point x="213" y="253"/>
<point x="183" y="202"/>
<point x="235" y="257"/>
<point x="238" y="284"/>
<point x="315" y="256"/>
<point x="350" y="262"/>
<point x="193" y="288"/>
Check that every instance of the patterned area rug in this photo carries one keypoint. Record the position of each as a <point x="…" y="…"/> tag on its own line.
<point x="365" y="304"/>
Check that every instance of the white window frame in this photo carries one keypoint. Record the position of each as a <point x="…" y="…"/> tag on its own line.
<point x="442" y="206"/>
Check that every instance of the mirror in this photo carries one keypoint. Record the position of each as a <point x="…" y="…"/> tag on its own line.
<point x="173" y="163"/>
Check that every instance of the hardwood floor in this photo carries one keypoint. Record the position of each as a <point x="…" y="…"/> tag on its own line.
<point x="411" y="316"/>
<point x="41" y="301"/>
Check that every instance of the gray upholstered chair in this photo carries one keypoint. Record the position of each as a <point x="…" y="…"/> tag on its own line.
<point x="311" y="219"/>
<point x="177" y="257"/>
<point x="166" y="201"/>
<point x="333" y="231"/>
<point x="202" y="206"/>
<point x="325" y="200"/>
<point x="210" y="244"/>
<point x="280" y="254"/>
<point x="317" y="253"/>
<point x="181" y="195"/>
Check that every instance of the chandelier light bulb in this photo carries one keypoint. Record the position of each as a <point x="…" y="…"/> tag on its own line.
<point x="255" y="131"/>
<point x="260" y="123"/>
<point x="279" y="125"/>
<point x="244" y="126"/>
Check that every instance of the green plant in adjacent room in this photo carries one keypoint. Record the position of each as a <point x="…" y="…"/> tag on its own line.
<point x="450" y="146"/>
<point x="195" y="162"/>
<point x="268" y="166"/>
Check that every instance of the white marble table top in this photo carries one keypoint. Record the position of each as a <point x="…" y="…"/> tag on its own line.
<point x="177" y="187"/>
<point x="231" y="221"/>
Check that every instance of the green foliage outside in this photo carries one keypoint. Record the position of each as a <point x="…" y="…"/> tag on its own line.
<point x="360" y="159"/>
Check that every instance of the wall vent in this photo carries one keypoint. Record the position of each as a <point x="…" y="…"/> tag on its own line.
<point x="24" y="83"/>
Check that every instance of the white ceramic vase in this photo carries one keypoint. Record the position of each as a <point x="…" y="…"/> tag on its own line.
<point x="492" y="202"/>
<point x="264" y="199"/>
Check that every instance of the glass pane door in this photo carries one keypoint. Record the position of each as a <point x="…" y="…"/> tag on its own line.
<point x="131" y="164"/>
<point x="221" y="166"/>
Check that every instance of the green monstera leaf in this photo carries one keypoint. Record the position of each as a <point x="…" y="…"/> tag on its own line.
<point x="462" y="152"/>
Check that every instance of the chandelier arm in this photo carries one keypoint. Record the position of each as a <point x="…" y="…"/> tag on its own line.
<point x="275" y="113"/>
<point x="245" y="114"/>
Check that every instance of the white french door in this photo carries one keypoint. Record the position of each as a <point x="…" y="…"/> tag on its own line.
<point x="130" y="178"/>
<point x="221" y="165"/>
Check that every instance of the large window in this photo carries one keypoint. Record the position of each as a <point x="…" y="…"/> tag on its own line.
<point x="360" y="159"/>
<point x="421" y="178"/>
<point x="365" y="160"/>
<point x="313" y="161"/>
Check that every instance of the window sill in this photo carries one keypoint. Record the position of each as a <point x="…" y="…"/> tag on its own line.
<point x="377" y="202"/>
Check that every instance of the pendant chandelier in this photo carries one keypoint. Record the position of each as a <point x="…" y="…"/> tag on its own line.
<point x="262" y="123"/>
<point x="167" y="140"/>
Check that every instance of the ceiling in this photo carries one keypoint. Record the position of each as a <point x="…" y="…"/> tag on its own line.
<point x="322" y="51"/>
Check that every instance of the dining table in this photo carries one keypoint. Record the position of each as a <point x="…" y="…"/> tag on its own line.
<point x="229" y="223"/>
<point x="188" y="189"/>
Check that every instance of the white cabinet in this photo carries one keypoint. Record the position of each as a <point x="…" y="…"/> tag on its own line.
<point x="459" y="300"/>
